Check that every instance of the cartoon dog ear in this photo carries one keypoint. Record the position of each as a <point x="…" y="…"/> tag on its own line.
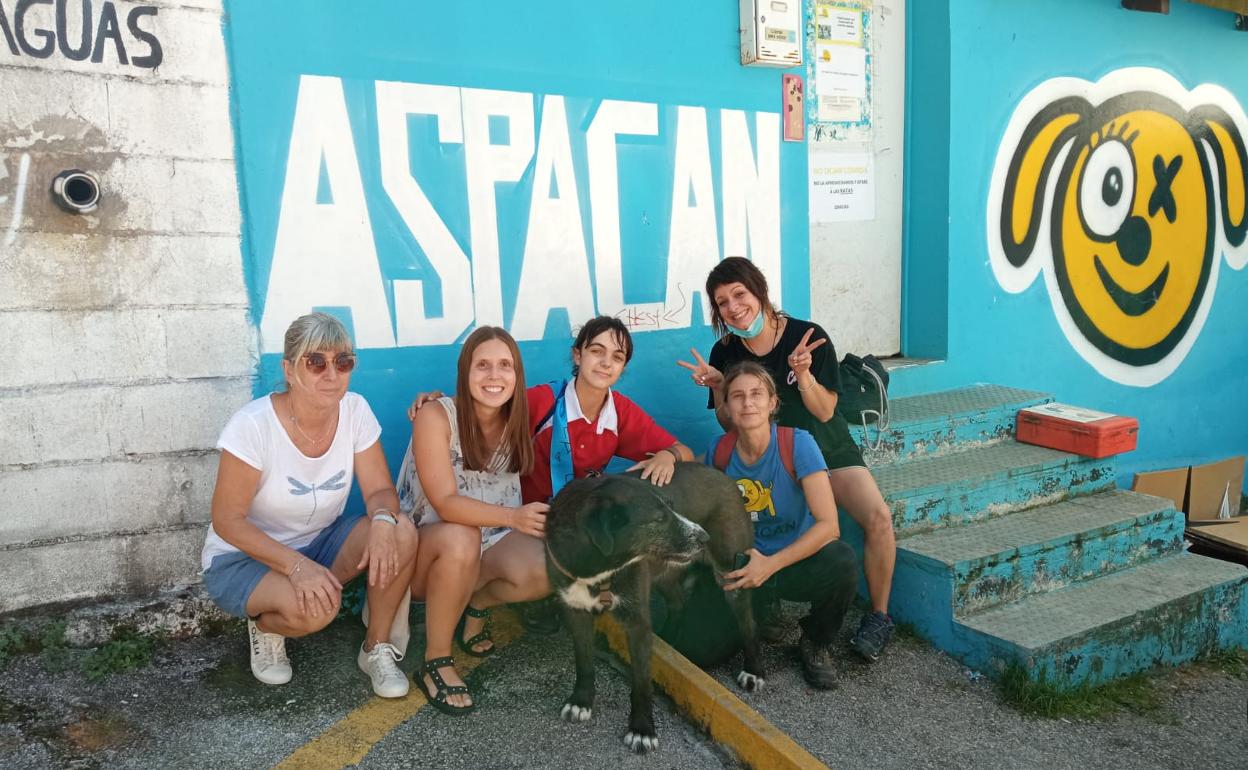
<point x="1219" y="130"/>
<point x="1026" y="180"/>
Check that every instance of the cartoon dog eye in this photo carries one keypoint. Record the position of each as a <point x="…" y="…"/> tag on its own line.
<point x="1108" y="189"/>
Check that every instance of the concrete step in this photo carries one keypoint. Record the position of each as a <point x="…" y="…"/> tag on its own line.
<point x="1163" y="612"/>
<point x="937" y="423"/>
<point x="973" y="567"/>
<point x="985" y="481"/>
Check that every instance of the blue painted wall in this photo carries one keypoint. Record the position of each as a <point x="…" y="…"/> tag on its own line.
<point x="660" y="53"/>
<point x="998" y="52"/>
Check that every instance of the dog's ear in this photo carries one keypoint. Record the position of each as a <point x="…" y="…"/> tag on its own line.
<point x="1215" y="126"/>
<point x="1022" y="201"/>
<point x="604" y="523"/>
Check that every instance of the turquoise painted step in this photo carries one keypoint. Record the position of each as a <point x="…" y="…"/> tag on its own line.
<point x="1164" y="612"/>
<point x="985" y="481"/>
<point x="1041" y="549"/>
<point x="941" y="422"/>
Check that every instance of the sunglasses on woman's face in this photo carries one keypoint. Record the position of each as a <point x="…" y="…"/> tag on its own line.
<point x="343" y="362"/>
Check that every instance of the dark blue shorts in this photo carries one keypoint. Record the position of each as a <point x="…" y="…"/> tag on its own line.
<point x="232" y="577"/>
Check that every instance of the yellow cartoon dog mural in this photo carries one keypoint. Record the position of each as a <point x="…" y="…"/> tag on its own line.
<point x="1127" y="193"/>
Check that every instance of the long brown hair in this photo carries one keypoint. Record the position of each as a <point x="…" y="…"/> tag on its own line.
<point x="516" y="443"/>
<point x="743" y="271"/>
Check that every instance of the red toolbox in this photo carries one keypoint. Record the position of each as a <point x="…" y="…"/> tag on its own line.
<point x="1078" y="430"/>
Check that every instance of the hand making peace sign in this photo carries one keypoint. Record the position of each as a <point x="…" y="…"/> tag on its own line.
<point x="702" y="373"/>
<point x="800" y="359"/>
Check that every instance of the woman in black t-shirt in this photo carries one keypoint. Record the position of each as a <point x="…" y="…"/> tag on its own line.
<point x="800" y="357"/>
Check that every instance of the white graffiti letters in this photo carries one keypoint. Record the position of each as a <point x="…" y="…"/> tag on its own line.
<point x="325" y="253"/>
<point x="395" y="102"/>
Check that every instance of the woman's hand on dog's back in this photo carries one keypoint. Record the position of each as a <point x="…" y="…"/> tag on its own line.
<point x="530" y="519"/>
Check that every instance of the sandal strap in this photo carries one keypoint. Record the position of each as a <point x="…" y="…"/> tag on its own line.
<point x="436" y="663"/>
<point x="473" y="612"/>
<point x="484" y="636"/>
<point x="454" y="689"/>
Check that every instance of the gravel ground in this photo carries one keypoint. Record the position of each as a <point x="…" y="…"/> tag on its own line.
<point x="197" y="706"/>
<point x="918" y="708"/>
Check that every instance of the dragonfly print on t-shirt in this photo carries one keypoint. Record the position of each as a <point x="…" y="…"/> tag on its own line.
<point x="332" y="484"/>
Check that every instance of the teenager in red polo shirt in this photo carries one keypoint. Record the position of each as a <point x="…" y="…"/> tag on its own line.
<point x="602" y="423"/>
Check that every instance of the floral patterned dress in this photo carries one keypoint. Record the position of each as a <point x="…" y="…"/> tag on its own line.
<point x="494" y="486"/>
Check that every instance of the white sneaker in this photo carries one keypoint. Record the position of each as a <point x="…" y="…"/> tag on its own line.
<point x="268" y="655"/>
<point x="379" y="664"/>
<point x="400" y="627"/>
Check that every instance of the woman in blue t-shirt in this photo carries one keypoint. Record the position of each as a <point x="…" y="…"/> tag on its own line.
<point x="797" y="554"/>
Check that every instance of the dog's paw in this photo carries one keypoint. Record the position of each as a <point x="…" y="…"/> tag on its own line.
<point x="750" y="682"/>
<point x="639" y="743"/>
<point x="574" y="713"/>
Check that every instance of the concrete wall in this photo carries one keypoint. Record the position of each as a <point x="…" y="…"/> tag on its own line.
<point x="1040" y="313"/>
<point x="126" y="330"/>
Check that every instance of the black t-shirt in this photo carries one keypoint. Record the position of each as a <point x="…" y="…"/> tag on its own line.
<point x="838" y="447"/>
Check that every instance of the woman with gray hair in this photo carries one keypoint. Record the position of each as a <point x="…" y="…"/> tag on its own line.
<point x="280" y="547"/>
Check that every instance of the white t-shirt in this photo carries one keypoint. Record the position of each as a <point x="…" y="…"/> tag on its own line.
<point x="298" y="495"/>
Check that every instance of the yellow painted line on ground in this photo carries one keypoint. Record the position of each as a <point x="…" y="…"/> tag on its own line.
<point x="347" y="741"/>
<point x="706" y="702"/>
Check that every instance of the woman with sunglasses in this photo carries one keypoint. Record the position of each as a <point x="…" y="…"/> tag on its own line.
<point x="460" y="481"/>
<point x="595" y="423"/>
<point x="800" y="358"/>
<point x="280" y="546"/>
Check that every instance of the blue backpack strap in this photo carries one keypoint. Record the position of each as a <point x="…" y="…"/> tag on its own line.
<point x="561" y="468"/>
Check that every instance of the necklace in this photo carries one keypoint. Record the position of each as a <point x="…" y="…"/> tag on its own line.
<point x="295" y="421"/>
<point x="775" y="338"/>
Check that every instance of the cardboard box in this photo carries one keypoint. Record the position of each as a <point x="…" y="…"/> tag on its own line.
<point x="1232" y="533"/>
<point x="1209" y="485"/>
<point x="1170" y="484"/>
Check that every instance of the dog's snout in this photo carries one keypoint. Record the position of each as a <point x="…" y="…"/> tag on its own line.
<point x="1134" y="240"/>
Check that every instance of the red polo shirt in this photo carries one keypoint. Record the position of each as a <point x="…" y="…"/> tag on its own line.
<point x="622" y="429"/>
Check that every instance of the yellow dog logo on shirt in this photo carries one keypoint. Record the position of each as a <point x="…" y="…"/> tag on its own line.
<point x="757" y="498"/>
<point x="1127" y="193"/>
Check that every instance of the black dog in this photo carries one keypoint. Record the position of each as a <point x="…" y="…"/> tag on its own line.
<point x="609" y="537"/>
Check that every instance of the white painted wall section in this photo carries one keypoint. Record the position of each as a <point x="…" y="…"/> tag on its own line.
<point x="855" y="267"/>
<point x="127" y="328"/>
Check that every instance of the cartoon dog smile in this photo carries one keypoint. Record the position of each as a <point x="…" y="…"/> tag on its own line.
<point x="1127" y="193"/>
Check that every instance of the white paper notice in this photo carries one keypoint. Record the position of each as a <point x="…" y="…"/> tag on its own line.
<point x="845" y="27"/>
<point x="841" y="70"/>
<point x="842" y="187"/>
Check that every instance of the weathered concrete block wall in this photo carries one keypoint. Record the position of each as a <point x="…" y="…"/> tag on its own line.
<point x="126" y="330"/>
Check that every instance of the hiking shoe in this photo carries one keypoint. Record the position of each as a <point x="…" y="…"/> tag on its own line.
<point x="817" y="666"/>
<point x="541" y="617"/>
<point x="269" y="663"/>
<point x="380" y="665"/>
<point x="872" y="636"/>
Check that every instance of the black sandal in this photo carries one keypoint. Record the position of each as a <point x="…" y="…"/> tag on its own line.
<point x="467" y="645"/>
<point x="443" y="691"/>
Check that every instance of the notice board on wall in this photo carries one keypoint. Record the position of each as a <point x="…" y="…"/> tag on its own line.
<point x="838" y="69"/>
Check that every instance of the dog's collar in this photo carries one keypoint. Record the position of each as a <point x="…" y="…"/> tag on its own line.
<point x="604" y="587"/>
<point x="563" y="570"/>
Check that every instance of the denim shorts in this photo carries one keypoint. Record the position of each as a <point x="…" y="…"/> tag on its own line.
<point x="232" y="577"/>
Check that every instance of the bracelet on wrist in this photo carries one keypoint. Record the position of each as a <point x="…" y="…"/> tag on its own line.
<point x="386" y="517"/>
<point x="296" y="566"/>
<point x="812" y="384"/>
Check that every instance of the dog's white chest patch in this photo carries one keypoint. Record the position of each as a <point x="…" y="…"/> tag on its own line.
<point x="578" y="596"/>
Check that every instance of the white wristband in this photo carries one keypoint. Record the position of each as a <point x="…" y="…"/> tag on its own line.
<point x="384" y="517"/>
